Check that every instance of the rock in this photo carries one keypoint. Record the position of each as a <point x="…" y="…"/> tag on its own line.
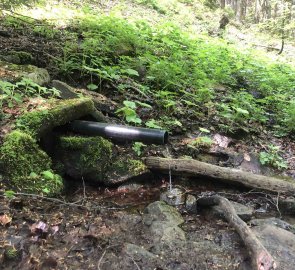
<point x="26" y="166"/>
<point x="87" y="157"/>
<point x="162" y="222"/>
<point x="123" y="168"/>
<point x="251" y="164"/>
<point x="174" y="196"/>
<point x="101" y="103"/>
<point x="191" y="203"/>
<point x="93" y="159"/>
<point x="273" y="222"/>
<point x="279" y="242"/>
<point x="56" y="113"/>
<point x="159" y="211"/>
<point x="66" y="91"/>
<point x="166" y="232"/>
<point x="244" y="212"/>
<point x="12" y="73"/>
<point x="287" y="205"/>
<point x="139" y="253"/>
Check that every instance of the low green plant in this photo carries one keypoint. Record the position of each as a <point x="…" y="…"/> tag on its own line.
<point x="137" y="147"/>
<point x="14" y="93"/>
<point x="152" y="123"/>
<point x="272" y="156"/>
<point x="129" y="112"/>
<point x="203" y="142"/>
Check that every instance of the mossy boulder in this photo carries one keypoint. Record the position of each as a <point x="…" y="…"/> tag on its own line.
<point x="87" y="157"/>
<point x="56" y="113"/>
<point x="26" y="166"/>
<point x="13" y="72"/>
<point x="93" y="159"/>
<point x="123" y="168"/>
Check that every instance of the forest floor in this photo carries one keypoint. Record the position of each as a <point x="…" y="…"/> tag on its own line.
<point x="95" y="227"/>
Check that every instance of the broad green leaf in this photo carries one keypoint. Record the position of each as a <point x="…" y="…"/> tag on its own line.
<point x="129" y="104"/>
<point x="92" y="86"/>
<point x="204" y="130"/>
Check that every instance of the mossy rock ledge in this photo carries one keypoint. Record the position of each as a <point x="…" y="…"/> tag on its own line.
<point x="13" y="73"/>
<point x="93" y="159"/>
<point x="23" y="163"/>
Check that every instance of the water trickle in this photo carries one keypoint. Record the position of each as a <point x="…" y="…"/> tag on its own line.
<point x="170" y="180"/>
<point x="170" y="175"/>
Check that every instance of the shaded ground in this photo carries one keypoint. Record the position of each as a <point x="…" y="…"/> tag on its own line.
<point x="54" y="235"/>
<point x="96" y="232"/>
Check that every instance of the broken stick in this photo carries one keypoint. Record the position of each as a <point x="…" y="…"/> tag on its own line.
<point x="260" y="257"/>
<point x="247" y="179"/>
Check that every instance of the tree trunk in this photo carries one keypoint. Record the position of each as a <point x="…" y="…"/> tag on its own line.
<point x="260" y="257"/>
<point x="234" y="176"/>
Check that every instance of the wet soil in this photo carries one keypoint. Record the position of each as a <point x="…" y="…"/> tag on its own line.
<point x="103" y="229"/>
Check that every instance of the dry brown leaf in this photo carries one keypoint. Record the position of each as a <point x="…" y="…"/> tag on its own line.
<point x="247" y="157"/>
<point x="4" y="219"/>
<point x="221" y="141"/>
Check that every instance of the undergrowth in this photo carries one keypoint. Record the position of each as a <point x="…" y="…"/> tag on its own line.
<point x="180" y="74"/>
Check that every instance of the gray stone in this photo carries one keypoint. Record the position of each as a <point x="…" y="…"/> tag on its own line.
<point x="287" y="205"/>
<point x="279" y="242"/>
<point x="12" y="72"/>
<point x="191" y="203"/>
<point x="139" y="253"/>
<point x="162" y="222"/>
<point x="39" y="76"/>
<point x="273" y="222"/>
<point x="66" y="91"/>
<point x="165" y="232"/>
<point x="244" y="212"/>
<point x="159" y="211"/>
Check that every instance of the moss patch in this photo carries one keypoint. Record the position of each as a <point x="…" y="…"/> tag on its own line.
<point x="123" y="168"/>
<point x="24" y="164"/>
<point x="87" y="157"/>
<point x="39" y="122"/>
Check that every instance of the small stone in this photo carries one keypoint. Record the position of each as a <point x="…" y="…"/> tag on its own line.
<point x="66" y="91"/>
<point x="191" y="203"/>
<point x="139" y="253"/>
<point x="160" y="211"/>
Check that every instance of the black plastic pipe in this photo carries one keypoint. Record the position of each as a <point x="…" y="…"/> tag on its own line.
<point x="120" y="132"/>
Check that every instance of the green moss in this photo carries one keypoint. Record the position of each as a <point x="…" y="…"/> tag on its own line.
<point x="23" y="163"/>
<point x="127" y="166"/>
<point x="39" y="122"/>
<point x="87" y="157"/>
<point x="136" y="166"/>
<point x="10" y="252"/>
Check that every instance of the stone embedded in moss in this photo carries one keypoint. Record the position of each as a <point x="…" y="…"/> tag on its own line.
<point x="39" y="122"/>
<point x="123" y="168"/>
<point x="87" y="157"/>
<point x="20" y="157"/>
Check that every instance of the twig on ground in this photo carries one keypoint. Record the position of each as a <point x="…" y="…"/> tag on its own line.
<point x="135" y="263"/>
<point x="100" y="260"/>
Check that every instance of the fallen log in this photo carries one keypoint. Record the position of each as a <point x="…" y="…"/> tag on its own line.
<point x="235" y="176"/>
<point x="261" y="259"/>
